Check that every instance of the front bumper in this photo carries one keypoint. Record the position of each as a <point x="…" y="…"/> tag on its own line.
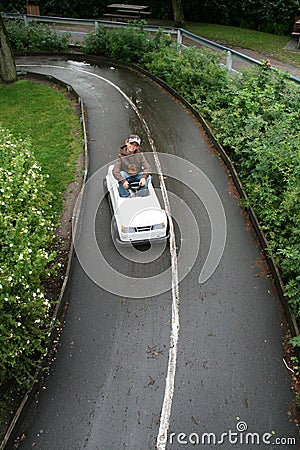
<point x="154" y="240"/>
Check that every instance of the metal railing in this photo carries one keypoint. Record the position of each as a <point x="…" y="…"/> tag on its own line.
<point x="228" y="54"/>
<point x="231" y="59"/>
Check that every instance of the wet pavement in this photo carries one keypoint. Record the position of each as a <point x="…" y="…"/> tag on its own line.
<point x="111" y="377"/>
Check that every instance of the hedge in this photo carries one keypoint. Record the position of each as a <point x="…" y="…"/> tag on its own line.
<point x="26" y="232"/>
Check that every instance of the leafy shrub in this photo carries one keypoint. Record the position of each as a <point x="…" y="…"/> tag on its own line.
<point x="126" y="44"/>
<point x="96" y="42"/>
<point x="194" y="73"/>
<point x="35" y="37"/>
<point x="26" y="231"/>
<point x="260" y="128"/>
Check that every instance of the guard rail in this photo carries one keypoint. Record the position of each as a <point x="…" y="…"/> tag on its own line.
<point x="231" y="59"/>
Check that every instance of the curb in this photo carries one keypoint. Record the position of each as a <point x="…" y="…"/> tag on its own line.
<point x="10" y="436"/>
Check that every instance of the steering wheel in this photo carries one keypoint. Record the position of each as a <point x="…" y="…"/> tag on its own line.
<point x="134" y="186"/>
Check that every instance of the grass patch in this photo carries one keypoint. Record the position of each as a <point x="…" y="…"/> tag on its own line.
<point x="268" y="44"/>
<point x="46" y="116"/>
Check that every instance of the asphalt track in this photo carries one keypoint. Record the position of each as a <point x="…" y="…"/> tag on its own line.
<point x="112" y="376"/>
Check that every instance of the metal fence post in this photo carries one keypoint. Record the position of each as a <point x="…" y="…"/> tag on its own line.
<point x="96" y="25"/>
<point x="179" y="36"/>
<point x="229" y="60"/>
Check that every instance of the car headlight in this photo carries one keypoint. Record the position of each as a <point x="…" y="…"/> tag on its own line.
<point x="127" y="229"/>
<point x="159" y="226"/>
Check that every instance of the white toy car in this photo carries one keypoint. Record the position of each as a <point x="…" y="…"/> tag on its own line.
<point x="137" y="220"/>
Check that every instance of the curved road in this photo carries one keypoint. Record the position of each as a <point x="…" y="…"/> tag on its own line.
<point x="203" y="360"/>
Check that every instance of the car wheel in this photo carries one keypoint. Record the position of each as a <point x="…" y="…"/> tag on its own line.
<point x="114" y="229"/>
<point x="105" y="188"/>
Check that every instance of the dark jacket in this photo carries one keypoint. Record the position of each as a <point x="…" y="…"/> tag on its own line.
<point x="131" y="163"/>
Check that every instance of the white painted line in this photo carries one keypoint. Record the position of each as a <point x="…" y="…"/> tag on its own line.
<point x="164" y="422"/>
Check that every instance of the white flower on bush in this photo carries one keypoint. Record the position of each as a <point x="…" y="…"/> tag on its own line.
<point x="26" y="226"/>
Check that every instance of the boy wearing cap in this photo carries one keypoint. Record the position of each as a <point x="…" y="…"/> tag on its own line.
<point x="131" y="165"/>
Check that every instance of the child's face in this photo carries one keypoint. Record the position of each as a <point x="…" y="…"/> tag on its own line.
<point x="131" y="146"/>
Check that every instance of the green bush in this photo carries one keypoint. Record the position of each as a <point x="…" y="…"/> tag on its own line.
<point x="96" y="42"/>
<point x="259" y="126"/>
<point x="35" y="37"/>
<point x="127" y="44"/>
<point x="26" y="232"/>
<point x="195" y="74"/>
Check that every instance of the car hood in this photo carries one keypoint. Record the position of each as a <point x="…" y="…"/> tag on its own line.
<point x="139" y="212"/>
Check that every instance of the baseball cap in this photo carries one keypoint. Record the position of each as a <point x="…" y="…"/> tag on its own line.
<point x="134" y="138"/>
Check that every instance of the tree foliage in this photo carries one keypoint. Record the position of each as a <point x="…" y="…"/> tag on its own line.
<point x="263" y="15"/>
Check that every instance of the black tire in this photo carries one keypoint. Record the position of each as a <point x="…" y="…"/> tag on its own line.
<point x="114" y="230"/>
<point x="105" y="188"/>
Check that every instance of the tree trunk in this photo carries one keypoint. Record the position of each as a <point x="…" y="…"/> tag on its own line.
<point x="8" y="72"/>
<point x="178" y="13"/>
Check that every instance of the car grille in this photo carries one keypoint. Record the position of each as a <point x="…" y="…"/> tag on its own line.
<point x="139" y="229"/>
